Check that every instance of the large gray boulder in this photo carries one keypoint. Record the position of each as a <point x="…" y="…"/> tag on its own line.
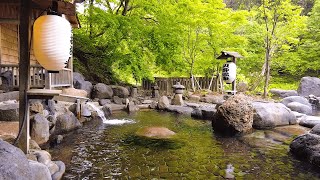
<point x="7" y="81"/>
<point x="316" y="130"/>
<point x="120" y="91"/>
<point x="309" y="85"/>
<point x="14" y="95"/>
<point x="298" y="99"/>
<point x="77" y="77"/>
<point x="283" y="93"/>
<point x="39" y="129"/>
<point x="103" y="102"/>
<point x="212" y="99"/>
<point x="301" y="108"/>
<point x="163" y="103"/>
<point x="80" y="83"/>
<point x="66" y="122"/>
<point x="102" y="91"/>
<point x="270" y="115"/>
<point x="107" y="110"/>
<point x="118" y="100"/>
<point x="9" y="112"/>
<point x="56" y="168"/>
<point x="234" y="116"/>
<point x="62" y="168"/>
<point x="13" y="163"/>
<point x="39" y="170"/>
<point x="36" y="106"/>
<point x="307" y="146"/>
<point x="205" y="112"/>
<point x="85" y="85"/>
<point x="309" y="121"/>
<point x="194" y="98"/>
<point x="184" y="110"/>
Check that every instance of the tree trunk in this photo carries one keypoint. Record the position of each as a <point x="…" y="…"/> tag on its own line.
<point x="192" y="77"/>
<point x="267" y="69"/>
<point x="90" y="18"/>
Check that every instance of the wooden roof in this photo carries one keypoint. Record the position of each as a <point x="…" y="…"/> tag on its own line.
<point x="9" y="10"/>
<point x="228" y="54"/>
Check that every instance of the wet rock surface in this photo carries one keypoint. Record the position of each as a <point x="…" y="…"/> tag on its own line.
<point x="120" y="91"/>
<point x="307" y="146"/>
<point x="102" y="91"/>
<point x="270" y="115"/>
<point x="183" y="110"/>
<point x="309" y="121"/>
<point x="39" y="129"/>
<point x="298" y="99"/>
<point x="66" y="122"/>
<point x="13" y="163"/>
<point x="9" y="111"/>
<point x="234" y="116"/>
<point x="309" y="85"/>
<point x="301" y="108"/>
<point x="283" y="93"/>
<point x="163" y="103"/>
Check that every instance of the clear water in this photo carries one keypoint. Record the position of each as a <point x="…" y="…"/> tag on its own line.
<point x="104" y="151"/>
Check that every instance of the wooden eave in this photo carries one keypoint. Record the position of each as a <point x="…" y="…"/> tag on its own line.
<point x="9" y="10"/>
<point x="229" y="54"/>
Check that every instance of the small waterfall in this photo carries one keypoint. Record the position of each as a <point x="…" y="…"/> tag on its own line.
<point x="100" y="113"/>
<point x="110" y="121"/>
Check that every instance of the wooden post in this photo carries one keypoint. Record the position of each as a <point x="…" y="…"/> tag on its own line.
<point x="234" y="83"/>
<point x="24" y="74"/>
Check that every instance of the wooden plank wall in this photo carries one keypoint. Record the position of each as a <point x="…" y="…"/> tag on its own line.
<point x="9" y="45"/>
<point x="165" y="84"/>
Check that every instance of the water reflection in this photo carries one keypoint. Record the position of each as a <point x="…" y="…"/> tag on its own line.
<point x="115" y="152"/>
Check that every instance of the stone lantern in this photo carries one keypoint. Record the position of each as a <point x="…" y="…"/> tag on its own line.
<point x="134" y="91"/>
<point x="155" y="91"/>
<point x="178" y="91"/>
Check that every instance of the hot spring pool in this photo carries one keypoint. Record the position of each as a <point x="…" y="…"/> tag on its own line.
<point x="114" y="151"/>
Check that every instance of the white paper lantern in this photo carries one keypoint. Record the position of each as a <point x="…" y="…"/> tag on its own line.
<point x="229" y="72"/>
<point x="52" y="41"/>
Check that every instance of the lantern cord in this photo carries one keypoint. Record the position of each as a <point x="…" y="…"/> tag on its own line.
<point x="23" y="121"/>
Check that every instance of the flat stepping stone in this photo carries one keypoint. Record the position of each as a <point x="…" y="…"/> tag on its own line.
<point x="155" y="132"/>
<point x="309" y="121"/>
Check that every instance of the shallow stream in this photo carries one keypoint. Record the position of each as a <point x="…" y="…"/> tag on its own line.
<point x="108" y="151"/>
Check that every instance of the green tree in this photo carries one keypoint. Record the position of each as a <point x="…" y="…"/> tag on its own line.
<point x="310" y="48"/>
<point x="278" y="18"/>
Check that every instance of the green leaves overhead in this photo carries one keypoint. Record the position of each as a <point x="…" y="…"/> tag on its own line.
<point x="128" y="40"/>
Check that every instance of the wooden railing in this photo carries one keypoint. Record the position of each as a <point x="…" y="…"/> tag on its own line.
<point x="39" y="77"/>
<point x="62" y="79"/>
<point x="165" y="84"/>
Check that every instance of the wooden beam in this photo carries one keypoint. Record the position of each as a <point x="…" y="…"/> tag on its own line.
<point x="24" y="74"/>
<point x="9" y="21"/>
<point x="10" y="1"/>
<point x="63" y="7"/>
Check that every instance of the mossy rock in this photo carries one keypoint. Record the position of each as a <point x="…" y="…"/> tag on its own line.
<point x="155" y="132"/>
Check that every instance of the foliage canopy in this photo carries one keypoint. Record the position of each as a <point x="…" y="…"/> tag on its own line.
<point x="128" y="40"/>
